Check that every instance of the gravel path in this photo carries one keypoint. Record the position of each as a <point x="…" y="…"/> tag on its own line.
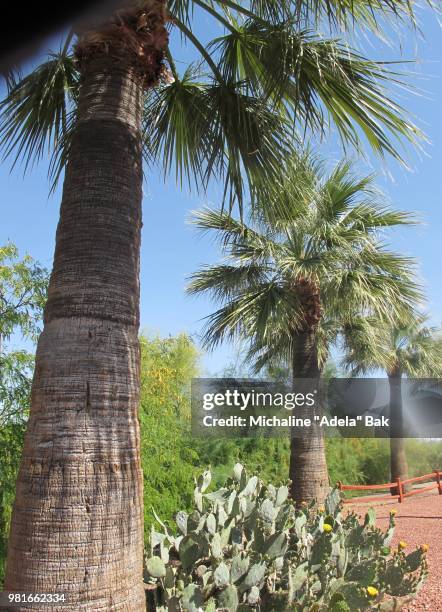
<point x="418" y="521"/>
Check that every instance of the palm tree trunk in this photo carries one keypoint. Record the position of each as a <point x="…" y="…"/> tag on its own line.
<point x="398" y="457"/>
<point x="77" y="524"/>
<point x="308" y="465"/>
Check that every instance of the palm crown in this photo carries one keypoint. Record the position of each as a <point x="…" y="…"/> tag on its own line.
<point x="406" y="346"/>
<point x="311" y="258"/>
<point x="231" y="113"/>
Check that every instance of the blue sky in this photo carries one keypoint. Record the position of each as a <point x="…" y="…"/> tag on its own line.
<point x="171" y="249"/>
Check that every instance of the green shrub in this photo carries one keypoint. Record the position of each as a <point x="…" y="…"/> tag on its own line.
<point x="246" y="547"/>
<point x="11" y="443"/>
<point x="169" y="459"/>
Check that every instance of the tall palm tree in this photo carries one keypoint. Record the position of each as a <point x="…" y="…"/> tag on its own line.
<point x="404" y="347"/>
<point x="98" y="105"/>
<point x="296" y="271"/>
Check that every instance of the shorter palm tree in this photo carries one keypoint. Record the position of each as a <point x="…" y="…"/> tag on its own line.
<point x="307" y="260"/>
<point x="405" y="347"/>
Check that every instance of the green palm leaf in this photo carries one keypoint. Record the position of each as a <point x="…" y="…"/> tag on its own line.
<point x="329" y="239"/>
<point x="234" y="114"/>
<point x="407" y="344"/>
<point x="206" y="130"/>
<point x="38" y="114"/>
<point x="318" y="79"/>
<point x="371" y="13"/>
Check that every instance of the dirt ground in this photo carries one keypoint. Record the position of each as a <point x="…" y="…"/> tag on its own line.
<point x="418" y="521"/>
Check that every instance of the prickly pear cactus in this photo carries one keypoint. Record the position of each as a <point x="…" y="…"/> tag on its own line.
<point x="247" y="547"/>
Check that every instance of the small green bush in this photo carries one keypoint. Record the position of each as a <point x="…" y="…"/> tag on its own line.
<point x="246" y="547"/>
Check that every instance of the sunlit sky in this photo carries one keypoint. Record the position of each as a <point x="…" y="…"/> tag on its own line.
<point x="170" y="248"/>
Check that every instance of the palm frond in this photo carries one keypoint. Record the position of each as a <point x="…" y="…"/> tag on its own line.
<point x="240" y="240"/>
<point x="319" y="79"/>
<point x="206" y="130"/>
<point x="264" y="10"/>
<point x="249" y="314"/>
<point x="365" y="216"/>
<point x="276" y="348"/>
<point x="37" y="114"/>
<point x="328" y="244"/>
<point x="405" y="344"/>
<point x="365" y="344"/>
<point x="11" y="77"/>
<point x="235" y="115"/>
<point x="224" y="281"/>
<point x="338" y="14"/>
<point x="370" y="13"/>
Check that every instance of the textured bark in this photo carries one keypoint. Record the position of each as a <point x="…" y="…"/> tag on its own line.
<point x="77" y="524"/>
<point x="398" y="457"/>
<point x="308" y="465"/>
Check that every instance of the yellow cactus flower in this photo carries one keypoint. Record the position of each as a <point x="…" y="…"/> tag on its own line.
<point x="321" y="509"/>
<point x="393" y="512"/>
<point x="327" y="528"/>
<point x="372" y="591"/>
<point x="402" y="545"/>
<point x="424" y="548"/>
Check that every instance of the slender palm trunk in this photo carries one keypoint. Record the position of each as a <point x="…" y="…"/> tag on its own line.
<point x="398" y="457"/>
<point x="308" y="465"/>
<point x="77" y="524"/>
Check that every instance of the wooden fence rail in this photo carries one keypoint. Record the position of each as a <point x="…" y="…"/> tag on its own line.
<point x="397" y="489"/>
